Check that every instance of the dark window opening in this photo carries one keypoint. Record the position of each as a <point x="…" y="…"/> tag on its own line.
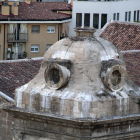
<point x="114" y="16"/>
<point x="87" y="20"/>
<point x="54" y="76"/>
<point x="125" y="16"/>
<point x="78" y="19"/>
<point x="103" y="20"/>
<point x="116" y="78"/>
<point x="38" y="0"/>
<point x="138" y="15"/>
<point x="134" y="15"/>
<point x="117" y="16"/>
<point x="129" y="16"/>
<point x="96" y="21"/>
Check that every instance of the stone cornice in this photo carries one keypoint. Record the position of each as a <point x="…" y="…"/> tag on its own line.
<point x="74" y="122"/>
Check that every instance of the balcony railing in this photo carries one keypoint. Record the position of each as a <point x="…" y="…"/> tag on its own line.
<point x="19" y="56"/>
<point x="21" y="37"/>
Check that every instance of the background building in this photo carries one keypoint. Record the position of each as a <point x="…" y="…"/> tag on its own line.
<point x="95" y="13"/>
<point x="28" y="29"/>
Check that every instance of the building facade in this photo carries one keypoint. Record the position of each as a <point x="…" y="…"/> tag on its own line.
<point x="28" y="29"/>
<point x="96" y="13"/>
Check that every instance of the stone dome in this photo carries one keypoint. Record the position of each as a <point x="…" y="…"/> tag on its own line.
<point x="81" y="76"/>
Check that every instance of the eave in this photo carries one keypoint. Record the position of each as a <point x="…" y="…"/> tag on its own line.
<point x="4" y="21"/>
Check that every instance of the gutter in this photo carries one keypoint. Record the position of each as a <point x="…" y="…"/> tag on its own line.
<point x="36" y="21"/>
<point x="6" y="97"/>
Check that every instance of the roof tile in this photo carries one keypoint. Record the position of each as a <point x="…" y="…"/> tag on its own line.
<point x="17" y="73"/>
<point x="39" y="11"/>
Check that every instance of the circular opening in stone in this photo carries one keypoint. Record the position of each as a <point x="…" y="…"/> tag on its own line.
<point x="116" y="78"/>
<point x="54" y="76"/>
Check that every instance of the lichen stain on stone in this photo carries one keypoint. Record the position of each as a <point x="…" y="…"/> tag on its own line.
<point x="37" y="99"/>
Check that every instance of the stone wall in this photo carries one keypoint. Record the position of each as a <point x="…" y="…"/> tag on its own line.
<point x="5" y="122"/>
<point x="37" y="126"/>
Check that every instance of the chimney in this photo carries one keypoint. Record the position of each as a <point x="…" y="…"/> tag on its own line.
<point x="28" y="1"/>
<point x="84" y="32"/>
<point x="0" y="2"/>
<point x="5" y="9"/>
<point x="71" y="2"/>
<point x="15" y="8"/>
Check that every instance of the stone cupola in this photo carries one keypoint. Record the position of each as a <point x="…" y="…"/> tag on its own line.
<point x="77" y="73"/>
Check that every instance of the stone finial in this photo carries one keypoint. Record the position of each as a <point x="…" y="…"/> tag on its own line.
<point x="85" y="31"/>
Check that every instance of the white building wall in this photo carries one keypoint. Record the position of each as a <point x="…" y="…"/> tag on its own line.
<point x="103" y="7"/>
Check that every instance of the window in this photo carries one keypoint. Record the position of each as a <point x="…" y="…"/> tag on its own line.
<point x="78" y="19"/>
<point x="20" y="51"/>
<point x="48" y="46"/>
<point x="34" y="48"/>
<point x="117" y="16"/>
<point x="87" y="20"/>
<point x="104" y="20"/>
<point x="50" y="29"/>
<point x="95" y="20"/>
<point x="54" y="76"/>
<point x="125" y="16"/>
<point x="114" y="16"/>
<point x="138" y="15"/>
<point x="134" y="15"/>
<point x="129" y="16"/>
<point x="35" y="28"/>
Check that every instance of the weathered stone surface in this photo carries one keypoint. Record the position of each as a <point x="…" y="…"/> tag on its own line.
<point x="88" y="66"/>
<point x="36" y="126"/>
<point x="5" y="122"/>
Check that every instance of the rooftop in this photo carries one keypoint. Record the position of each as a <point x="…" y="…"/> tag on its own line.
<point x="15" y="73"/>
<point x="126" y="37"/>
<point x="42" y="11"/>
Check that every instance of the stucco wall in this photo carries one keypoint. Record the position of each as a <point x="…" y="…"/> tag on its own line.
<point x="42" y="39"/>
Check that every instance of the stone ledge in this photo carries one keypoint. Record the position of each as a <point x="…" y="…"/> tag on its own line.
<point x="80" y="122"/>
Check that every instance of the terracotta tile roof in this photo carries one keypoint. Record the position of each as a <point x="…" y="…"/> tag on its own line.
<point x="17" y="73"/>
<point x="132" y="61"/>
<point x="39" y="11"/>
<point x="125" y="36"/>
